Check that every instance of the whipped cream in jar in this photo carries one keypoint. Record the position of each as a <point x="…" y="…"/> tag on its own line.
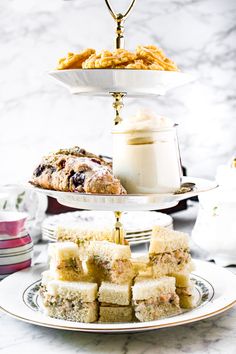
<point x="146" y="154"/>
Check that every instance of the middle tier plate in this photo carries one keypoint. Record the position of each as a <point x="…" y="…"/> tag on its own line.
<point x="128" y="202"/>
<point x="100" y="82"/>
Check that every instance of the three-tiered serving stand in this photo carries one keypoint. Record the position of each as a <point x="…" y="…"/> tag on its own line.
<point x="118" y="83"/>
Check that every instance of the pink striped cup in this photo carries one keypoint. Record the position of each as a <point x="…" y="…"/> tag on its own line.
<point x="12" y="222"/>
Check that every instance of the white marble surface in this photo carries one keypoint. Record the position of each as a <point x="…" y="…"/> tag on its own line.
<point x="38" y="116"/>
<point x="211" y="336"/>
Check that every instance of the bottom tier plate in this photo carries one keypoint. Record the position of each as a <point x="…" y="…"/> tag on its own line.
<point x="129" y="202"/>
<point x="214" y="297"/>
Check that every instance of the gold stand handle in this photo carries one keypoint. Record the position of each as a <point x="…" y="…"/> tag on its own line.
<point x="118" y="232"/>
<point x="118" y="105"/>
<point x="120" y="19"/>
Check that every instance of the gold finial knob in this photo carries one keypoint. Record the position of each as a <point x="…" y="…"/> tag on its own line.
<point x="118" y="105"/>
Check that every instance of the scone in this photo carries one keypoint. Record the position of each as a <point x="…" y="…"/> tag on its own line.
<point x="76" y="170"/>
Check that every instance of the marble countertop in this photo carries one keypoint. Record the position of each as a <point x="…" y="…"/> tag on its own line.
<point x="212" y="336"/>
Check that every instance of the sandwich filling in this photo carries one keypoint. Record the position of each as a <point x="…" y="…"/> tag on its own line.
<point x="116" y="271"/>
<point x="170" y="298"/>
<point x="71" y="307"/>
<point x="64" y="303"/>
<point x="72" y="263"/>
<point x="178" y="257"/>
<point x="155" y="308"/>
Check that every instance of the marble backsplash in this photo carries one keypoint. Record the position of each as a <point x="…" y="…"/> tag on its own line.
<point x="38" y="116"/>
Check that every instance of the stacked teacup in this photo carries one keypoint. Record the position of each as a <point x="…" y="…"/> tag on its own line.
<point x="16" y="246"/>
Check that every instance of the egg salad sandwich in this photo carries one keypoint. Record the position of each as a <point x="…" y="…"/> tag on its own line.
<point x="155" y="298"/>
<point x="110" y="262"/>
<point x="169" y="251"/>
<point x="64" y="261"/>
<point x="115" y="302"/>
<point x="69" y="300"/>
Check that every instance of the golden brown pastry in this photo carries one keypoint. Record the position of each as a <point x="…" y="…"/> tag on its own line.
<point x="76" y="170"/>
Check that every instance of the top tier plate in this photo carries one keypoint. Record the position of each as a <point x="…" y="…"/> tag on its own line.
<point x="100" y="82"/>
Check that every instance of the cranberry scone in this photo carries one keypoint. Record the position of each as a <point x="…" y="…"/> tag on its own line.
<point x="76" y="170"/>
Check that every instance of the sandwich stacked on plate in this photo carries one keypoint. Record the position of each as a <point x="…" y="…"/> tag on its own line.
<point x="65" y="262"/>
<point x="66" y="290"/>
<point x="155" y="298"/>
<point x="185" y="290"/>
<point x="169" y="251"/>
<point x="115" y="302"/>
<point x="110" y="262"/>
<point x="69" y="300"/>
<point x="169" y="255"/>
<point x="111" y="286"/>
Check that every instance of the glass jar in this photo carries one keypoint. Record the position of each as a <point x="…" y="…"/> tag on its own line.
<point x="147" y="161"/>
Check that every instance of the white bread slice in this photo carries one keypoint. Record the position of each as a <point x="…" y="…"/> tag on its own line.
<point x="61" y="251"/>
<point x="83" y="233"/>
<point x="84" y="291"/>
<point x="145" y="288"/>
<point x="109" y="314"/>
<point x="114" y="293"/>
<point x="167" y="240"/>
<point x="109" y="251"/>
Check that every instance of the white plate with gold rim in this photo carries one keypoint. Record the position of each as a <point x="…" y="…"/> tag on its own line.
<point x="101" y="82"/>
<point x="128" y="202"/>
<point x="214" y="285"/>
